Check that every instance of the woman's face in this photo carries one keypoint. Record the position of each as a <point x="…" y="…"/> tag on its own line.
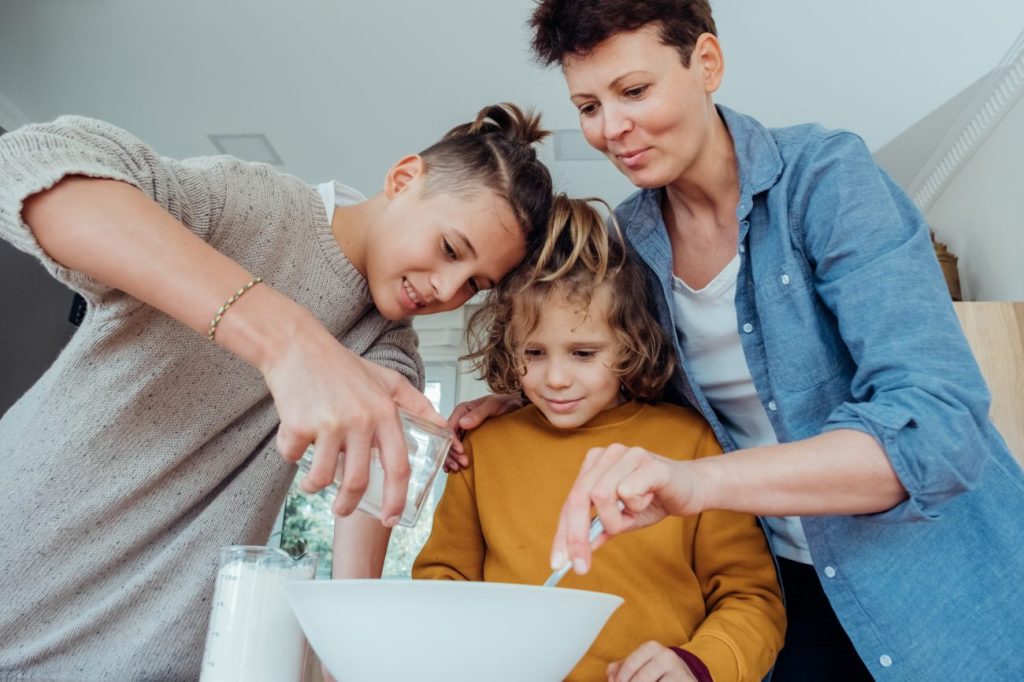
<point x="649" y="114"/>
<point x="431" y="254"/>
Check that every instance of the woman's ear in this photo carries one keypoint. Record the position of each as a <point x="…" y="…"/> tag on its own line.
<point x="707" y="54"/>
<point x="402" y="173"/>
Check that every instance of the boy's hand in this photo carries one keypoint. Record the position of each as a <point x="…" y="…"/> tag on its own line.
<point x="649" y="663"/>
<point x="328" y="396"/>
<point x="469" y="415"/>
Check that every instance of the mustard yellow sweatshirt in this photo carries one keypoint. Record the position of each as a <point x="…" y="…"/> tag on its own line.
<point x="706" y="583"/>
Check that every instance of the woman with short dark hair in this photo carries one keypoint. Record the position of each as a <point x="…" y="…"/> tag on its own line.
<point x="814" y="332"/>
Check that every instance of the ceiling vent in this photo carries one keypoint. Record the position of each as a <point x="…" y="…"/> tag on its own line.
<point x="570" y="145"/>
<point x="247" y="147"/>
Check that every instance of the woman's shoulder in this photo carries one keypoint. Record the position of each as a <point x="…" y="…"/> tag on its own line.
<point x="812" y="143"/>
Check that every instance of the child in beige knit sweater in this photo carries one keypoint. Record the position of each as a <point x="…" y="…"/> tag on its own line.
<point x="147" y="445"/>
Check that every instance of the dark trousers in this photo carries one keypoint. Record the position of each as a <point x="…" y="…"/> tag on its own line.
<point x="816" y="647"/>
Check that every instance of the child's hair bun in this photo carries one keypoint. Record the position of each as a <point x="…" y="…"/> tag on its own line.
<point x="507" y="120"/>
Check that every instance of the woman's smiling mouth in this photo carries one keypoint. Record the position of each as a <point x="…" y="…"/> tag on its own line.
<point x="632" y="159"/>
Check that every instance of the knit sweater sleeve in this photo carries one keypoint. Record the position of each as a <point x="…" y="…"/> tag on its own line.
<point x="36" y="157"/>
<point x="456" y="547"/>
<point x="395" y="349"/>
<point x="743" y="631"/>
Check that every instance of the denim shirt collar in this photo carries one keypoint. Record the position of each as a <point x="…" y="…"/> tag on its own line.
<point x="757" y="157"/>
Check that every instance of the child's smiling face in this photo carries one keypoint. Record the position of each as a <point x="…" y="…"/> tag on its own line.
<point x="569" y="359"/>
<point x="429" y="254"/>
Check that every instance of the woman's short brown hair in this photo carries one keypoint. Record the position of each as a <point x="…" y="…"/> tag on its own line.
<point x="579" y="262"/>
<point x="575" y="27"/>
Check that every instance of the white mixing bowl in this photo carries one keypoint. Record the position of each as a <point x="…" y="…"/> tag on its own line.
<point x="437" y="630"/>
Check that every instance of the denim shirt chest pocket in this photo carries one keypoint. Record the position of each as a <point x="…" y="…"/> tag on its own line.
<point x="802" y="345"/>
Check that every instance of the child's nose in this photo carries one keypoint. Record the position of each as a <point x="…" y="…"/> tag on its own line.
<point x="556" y="376"/>
<point x="446" y="286"/>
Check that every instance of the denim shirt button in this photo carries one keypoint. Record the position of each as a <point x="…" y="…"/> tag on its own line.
<point x="885" y="660"/>
<point x="743" y="248"/>
<point x="772" y="406"/>
<point x="830" y="572"/>
<point x="784" y="278"/>
<point x="748" y="327"/>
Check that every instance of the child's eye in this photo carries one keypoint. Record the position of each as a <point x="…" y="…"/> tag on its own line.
<point x="447" y="249"/>
<point x="533" y="352"/>
<point x="474" y="286"/>
<point x="585" y="354"/>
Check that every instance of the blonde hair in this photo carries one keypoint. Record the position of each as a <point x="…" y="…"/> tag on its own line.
<point x="578" y="260"/>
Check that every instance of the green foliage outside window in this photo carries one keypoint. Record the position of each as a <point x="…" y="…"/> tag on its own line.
<point x="309" y="527"/>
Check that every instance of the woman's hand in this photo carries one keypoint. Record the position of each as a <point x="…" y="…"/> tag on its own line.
<point x="650" y="662"/>
<point x="649" y="486"/>
<point x="328" y="396"/>
<point x="469" y="415"/>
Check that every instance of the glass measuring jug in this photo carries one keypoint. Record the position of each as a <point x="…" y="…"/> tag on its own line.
<point x="428" y="445"/>
<point x="253" y="634"/>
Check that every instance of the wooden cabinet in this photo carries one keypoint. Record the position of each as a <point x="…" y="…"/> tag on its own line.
<point x="995" y="331"/>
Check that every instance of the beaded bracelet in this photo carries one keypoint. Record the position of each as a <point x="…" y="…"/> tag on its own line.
<point x="212" y="331"/>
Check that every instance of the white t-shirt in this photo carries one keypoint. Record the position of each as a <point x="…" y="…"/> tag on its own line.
<point x="336" y="194"/>
<point x="706" y="325"/>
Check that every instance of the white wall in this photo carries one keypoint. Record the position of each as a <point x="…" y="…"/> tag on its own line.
<point x="344" y="88"/>
<point x="980" y="215"/>
<point x="442" y="341"/>
<point x="11" y="116"/>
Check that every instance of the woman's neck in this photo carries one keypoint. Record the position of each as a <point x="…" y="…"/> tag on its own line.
<point x="709" y="189"/>
<point x="699" y="210"/>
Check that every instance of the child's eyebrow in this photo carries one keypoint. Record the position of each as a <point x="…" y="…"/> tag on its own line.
<point x="464" y="240"/>
<point x="588" y="344"/>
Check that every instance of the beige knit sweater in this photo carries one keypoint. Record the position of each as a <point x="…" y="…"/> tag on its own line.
<point x="145" y="447"/>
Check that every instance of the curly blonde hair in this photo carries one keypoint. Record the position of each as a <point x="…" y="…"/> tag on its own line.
<point x="579" y="260"/>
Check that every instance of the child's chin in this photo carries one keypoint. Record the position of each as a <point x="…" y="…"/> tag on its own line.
<point x="565" y="421"/>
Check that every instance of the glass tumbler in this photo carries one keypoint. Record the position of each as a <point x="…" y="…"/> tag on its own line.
<point x="428" y="445"/>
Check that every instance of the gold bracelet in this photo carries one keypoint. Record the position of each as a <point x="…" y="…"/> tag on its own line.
<point x="212" y="331"/>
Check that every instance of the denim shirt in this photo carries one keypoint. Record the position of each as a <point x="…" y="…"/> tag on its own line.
<point x="846" y="323"/>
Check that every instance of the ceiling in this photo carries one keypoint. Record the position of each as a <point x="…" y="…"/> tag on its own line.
<point x="342" y="89"/>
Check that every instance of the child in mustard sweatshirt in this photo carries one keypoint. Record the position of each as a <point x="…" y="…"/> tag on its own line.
<point x="574" y="334"/>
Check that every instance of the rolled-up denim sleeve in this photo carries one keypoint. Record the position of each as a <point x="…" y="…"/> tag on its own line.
<point x="917" y="388"/>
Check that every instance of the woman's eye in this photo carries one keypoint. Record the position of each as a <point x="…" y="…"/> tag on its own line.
<point x="588" y="109"/>
<point x="638" y="91"/>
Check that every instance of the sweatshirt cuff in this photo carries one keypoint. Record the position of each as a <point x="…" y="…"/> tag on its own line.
<point x="693" y="662"/>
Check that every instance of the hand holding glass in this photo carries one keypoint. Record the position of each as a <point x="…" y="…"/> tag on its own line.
<point x="427" y="444"/>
